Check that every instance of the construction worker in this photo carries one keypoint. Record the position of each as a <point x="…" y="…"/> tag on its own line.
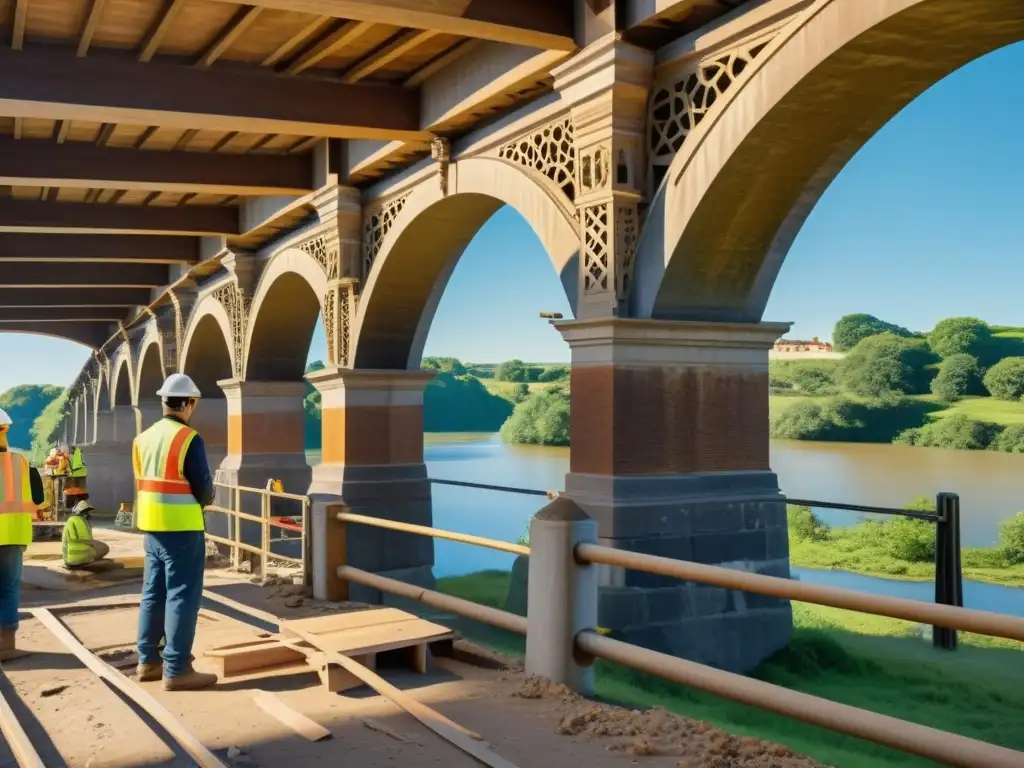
<point x="21" y="492"/>
<point x="173" y="484"/>
<point x="78" y="547"/>
<point x="75" y="489"/>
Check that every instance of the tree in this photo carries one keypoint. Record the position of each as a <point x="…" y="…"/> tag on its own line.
<point x="24" y="404"/>
<point x="447" y="364"/>
<point x="522" y="392"/>
<point x="44" y="428"/>
<point x="554" y="373"/>
<point x="1005" y="379"/>
<point x="959" y="375"/>
<point x="960" y="335"/>
<point x="511" y="370"/>
<point x="885" y="365"/>
<point x="850" y="330"/>
<point x="542" y="419"/>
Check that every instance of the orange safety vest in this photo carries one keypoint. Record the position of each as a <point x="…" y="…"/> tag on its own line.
<point x="16" y="505"/>
<point x="165" y="500"/>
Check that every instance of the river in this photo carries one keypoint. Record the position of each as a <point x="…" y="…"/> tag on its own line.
<point x="858" y="473"/>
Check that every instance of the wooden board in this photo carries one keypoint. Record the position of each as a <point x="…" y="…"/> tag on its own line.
<point x="373" y="639"/>
<point x="297" y="721"/>
<point x="17" y="740"/>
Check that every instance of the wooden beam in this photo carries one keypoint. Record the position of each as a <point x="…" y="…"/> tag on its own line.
<point x="544" y="24"/>
<point x="143" y="137"/>
<point x="344" y="35"/>
<point x="295" y="40"/>
<point x="34" y="274"/>
<point x="156" y="34"/>
<point x="394" y="50"/>
<point x="185" y="139"/>
<point x="92" y="20"/>
<point x="19" y="125"/>
<point x="60" y="314"/>
<point x="82" y="297"/>
<point x="18" y="27"/>
<point x="229" y="34"/>
<point x="49" y="82"/>
<point x="435" y="65"/>
<point x="20" y="744"/>
<point x="188" y="740"/>
<point x="62" y="129"/>
<point x="145" y="249"/>
<point x="105" y="132"/>
<point x="34" y="216"/>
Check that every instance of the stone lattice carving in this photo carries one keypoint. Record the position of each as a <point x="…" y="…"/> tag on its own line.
<point x="339" y="310"/>
<point x="325" y="255"/>
<point x="376" y="224"/>
<point x="550" y="150"/>
<point x="235" y="305"/>
<point x="596" y="250"/>
<point x="677" y="107"/>
<point x="595" y="169"/>
<point x="627" y="230"/>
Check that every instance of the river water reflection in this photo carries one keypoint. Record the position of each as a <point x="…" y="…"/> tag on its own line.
<point x="989" y="485"/>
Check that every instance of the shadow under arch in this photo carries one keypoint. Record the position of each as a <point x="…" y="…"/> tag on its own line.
<point x="747" y="177"/>
<point x="285" y="310"/>
<point x="121" y="382"/>
<point x="151" y="371"/>
<point x="426" y="241"/>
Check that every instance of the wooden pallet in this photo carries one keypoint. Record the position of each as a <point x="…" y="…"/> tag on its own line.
<point x="306" y="645"/>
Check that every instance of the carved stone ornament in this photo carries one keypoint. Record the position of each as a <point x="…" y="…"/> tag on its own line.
<point x="441" y="153"/>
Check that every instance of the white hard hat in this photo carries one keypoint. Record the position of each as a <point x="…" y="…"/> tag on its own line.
<point x="179" y="385"/>
<point x="5" y="420"/>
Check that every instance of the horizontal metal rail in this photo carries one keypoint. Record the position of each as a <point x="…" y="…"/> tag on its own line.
<point x="929" y="516"/>
<point x="940" y="746"/>
<point x="965" y="619"/>
<point x="510" y="622"/>
<point x="264" y="492"/>
<point x="502" y="488"/>
<point x="254" y="550"/>
<point x="273" y="521"/>
<point x="437" y="533"/>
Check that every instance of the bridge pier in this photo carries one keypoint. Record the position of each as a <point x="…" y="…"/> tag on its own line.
<point x="670" y="455"/>
<point x="373" y="461"/>
<point x="111" y="480"/>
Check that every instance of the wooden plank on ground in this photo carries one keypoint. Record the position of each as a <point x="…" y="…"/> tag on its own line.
<point x="452" y="732"/>
<point x="179" y="731"/>
<point x="21" y="747"/>
<point x="297" y="721"/>
<point x="341" y="622"/>
<point x="372" y="639"/>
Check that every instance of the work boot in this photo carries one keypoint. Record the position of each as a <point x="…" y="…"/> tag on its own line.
<point x="189" y="680"/>
<point x="150" y="672"/>
<point x="7" y="650"/>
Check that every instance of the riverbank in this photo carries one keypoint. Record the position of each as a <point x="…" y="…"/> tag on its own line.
<point x="871" y="662"/>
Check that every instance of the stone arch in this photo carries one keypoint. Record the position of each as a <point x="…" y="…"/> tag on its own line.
<point x="747" y="177"/>
<point x="122" y="379"/>
<point x="150" y="374"/>
<point x="208" y="339"/>
<point x="420" y="250"/>
<point x="283" y="316"/>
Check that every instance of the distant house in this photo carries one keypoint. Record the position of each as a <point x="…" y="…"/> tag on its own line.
<point x="795" y="345"/>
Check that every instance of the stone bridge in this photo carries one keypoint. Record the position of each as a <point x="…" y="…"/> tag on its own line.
<point x="192" y="187"/>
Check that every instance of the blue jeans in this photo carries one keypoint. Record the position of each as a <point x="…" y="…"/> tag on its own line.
<point x="172" y="591"/>
<point x="10" y="584"/>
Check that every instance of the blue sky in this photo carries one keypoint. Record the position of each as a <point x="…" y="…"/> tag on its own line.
<point x="927" y="221"/>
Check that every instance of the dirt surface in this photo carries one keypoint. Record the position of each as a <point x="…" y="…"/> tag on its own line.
<point x="76" y="720"/>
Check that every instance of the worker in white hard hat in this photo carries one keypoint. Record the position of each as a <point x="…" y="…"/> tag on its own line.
<point x="173" y="484"/>
<point x="21" y="493"/>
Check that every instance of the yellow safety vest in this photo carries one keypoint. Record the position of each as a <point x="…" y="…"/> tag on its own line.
<point x="16" y="505"/>
<point x="165" y="501"/>
<point x="78" y="468"/>
<point x="76" y="547"/>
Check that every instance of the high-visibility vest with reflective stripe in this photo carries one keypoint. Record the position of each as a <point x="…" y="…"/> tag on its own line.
<point x="76" y="544"/>
<point x="164" y="497"/>
<point x="78" y="468"/>
<point x="16" y="505"/>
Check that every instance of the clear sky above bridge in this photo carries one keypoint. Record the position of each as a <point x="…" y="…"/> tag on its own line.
<point x="926" y="222"/>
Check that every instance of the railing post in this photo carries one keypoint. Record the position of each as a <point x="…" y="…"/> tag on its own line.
<point x="562" y="595"/>
<point x="328" y="550"/>
<point x="948" y="565"/>
<point x="236" y="529"/>
<point x="265" y="537"/>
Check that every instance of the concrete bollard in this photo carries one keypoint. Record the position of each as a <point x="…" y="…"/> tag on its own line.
<point x="562" y="595"/>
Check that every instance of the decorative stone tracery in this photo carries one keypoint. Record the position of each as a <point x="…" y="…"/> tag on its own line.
<point x="325" y="255"/>
<point x="677" y="106"/>
<point x="551" y="151"/>
<point x="236" y="305"/>
<point x="596" y="251"/>
<point x="376" y="224"/>
<point x="339" y="310"/>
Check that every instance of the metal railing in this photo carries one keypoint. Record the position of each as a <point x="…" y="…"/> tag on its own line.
<point x="267" y="522"/>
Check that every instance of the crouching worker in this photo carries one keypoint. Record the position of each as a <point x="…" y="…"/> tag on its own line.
<point x="78" y="546"/>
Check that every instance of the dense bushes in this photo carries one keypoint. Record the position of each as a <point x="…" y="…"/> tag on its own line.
<point x="1005" y="379"/>
<point x="808" y="377"/>
<point x="886" y="365"/>
<point x="24" y="404"/>
<point x="850" y="330"/>
<point x="956" y="431"/>
<point x="959" y="375"/>
<point x="843" y="420"/>
<point x="960" y="336"/>
<point x="541" y="419"/>
<point x="44" y="427"/>
<point x="1011" y="538"/>
<point x="804" y="525"/>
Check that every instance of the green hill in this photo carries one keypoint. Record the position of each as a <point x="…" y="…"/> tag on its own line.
<point x="24" y="404"/>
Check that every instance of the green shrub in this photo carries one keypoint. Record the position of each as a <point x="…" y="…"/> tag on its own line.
<point x="512" y="370"/>
<point x="1009" y="440"/>
<point x="812" y="420"/>
<point x="522" y="392"/>
<point x="887" y="365"/>
<point x="541" y="419"/>
<point x="1011" y="538"/>
<point x="850" y="330"/>
<point x="810" y="377"/>
<point x="842" y="419"/>
<point x="908" y="539"/>
<point x="554" y="373"/>
<point x="445" y="364"/>
<point x="44" y="428"/>
<point x="959" y="336"/>
<point x="957" y="432"/>
<point x="804" y="525"/>
<point x="1005" y="379"/>
<point x="959" y="375"/>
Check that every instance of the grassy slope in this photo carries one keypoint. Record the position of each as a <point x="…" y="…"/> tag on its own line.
<point x="977" y="408"/>
<point x="865" y="661"/>
<point x="507" y="389"/>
